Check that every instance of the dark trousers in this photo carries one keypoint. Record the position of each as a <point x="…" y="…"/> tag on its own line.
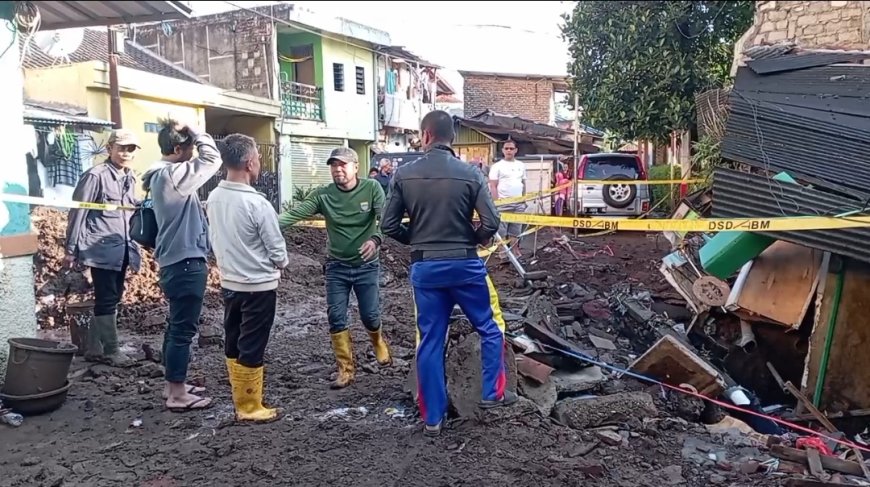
<point x="364" y="281"/>
<point x="108" y="289"/>
<point x="184" y="286"/>
<point x="248" y="320"/>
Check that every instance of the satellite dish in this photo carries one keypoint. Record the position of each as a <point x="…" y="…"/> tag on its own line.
<point x="59" y="44"/>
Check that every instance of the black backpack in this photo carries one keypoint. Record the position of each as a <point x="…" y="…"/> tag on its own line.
<point x="143" y="225"/>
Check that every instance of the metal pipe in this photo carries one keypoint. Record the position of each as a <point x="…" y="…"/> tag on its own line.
<point x="114" y="88"/>
<point x="829" y="338"/>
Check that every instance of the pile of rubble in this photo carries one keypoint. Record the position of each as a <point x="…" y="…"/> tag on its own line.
<point x="583" y="356"/>
<point x="142" y="307"/>
<point x="776" y="320"/>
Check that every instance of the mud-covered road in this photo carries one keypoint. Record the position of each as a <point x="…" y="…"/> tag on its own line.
<point x="113" y="430"/>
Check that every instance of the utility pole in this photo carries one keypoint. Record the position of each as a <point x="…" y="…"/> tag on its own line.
<point x="114" y="88"/>
<point x="576" y="170"/>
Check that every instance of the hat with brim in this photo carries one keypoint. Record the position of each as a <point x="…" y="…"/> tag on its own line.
<point x="124" y="137"/>
<point x="343" y="154"/>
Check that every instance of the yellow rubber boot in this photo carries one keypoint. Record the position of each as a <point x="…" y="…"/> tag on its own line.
<point x="247" y="386"/>
<point x="382" y="350"/>
<point x="342" y="346"/>
<point x="230" y="363"/>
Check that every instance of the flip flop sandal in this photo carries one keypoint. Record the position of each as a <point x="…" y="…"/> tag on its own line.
<point x="191" y="406"/>
<point x="190" y="390"/>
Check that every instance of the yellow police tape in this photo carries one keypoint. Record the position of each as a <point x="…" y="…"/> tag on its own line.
<point x="778" y="224"/>
<point x="33" y="200"/>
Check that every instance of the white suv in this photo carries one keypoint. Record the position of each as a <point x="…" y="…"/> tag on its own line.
<point x="611" y="199"/>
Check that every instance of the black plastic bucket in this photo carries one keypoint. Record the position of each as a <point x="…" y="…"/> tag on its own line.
<point x="37" y="366"/>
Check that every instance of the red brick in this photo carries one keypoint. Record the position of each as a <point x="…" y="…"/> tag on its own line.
<point x="525" y="98"/>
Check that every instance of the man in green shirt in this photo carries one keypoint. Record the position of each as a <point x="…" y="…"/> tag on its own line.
<point x="351" y="208"/>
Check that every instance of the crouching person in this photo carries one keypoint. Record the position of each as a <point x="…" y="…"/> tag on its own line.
<point x="250" y="253"/>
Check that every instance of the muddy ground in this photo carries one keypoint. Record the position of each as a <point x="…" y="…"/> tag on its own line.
<point x="113" y="430"/>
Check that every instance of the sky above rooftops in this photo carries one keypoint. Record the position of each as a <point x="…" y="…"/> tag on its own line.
<point x="508" y="37"/>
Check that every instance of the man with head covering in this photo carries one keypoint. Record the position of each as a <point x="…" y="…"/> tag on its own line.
<point x="351" y="207"/>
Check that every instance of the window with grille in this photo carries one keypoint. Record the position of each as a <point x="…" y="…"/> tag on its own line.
<point x="152" y="128"/>
<point x="360" y="80"/>
<point x="338" y="76"/>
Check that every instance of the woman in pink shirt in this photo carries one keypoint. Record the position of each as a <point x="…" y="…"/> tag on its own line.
<point x="562" y="194"/>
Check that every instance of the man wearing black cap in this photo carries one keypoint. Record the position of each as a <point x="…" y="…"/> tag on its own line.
<point x="351" y="208"/>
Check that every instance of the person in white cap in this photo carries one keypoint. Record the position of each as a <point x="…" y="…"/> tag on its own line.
<point x="101" y="241"/>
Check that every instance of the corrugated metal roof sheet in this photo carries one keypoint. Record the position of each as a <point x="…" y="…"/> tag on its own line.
<point x="35" y="114"/>
<point x="65" y="15"/>
<point x="813" y="123"/>
<point x="742" y="195"/>
<point x="792" y="62"/>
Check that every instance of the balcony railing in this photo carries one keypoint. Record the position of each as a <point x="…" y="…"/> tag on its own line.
<point x="301" y="102"/>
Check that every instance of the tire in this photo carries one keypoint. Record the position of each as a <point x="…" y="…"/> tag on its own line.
<point x="619" y="195"/>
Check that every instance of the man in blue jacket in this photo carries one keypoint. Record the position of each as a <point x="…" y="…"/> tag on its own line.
<point x="440" y="193"/>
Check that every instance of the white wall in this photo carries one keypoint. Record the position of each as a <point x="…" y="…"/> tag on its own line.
<point x="17" y="300"/>
<point x="348" y="114"/>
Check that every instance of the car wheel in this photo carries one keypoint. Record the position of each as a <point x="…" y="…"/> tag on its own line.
<point x="619" y="195"/>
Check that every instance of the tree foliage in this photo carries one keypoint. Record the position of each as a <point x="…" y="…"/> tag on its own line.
<point x="637" y="65"/>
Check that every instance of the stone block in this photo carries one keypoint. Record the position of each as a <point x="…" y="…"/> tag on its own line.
<point x="776" y="15"/>
<point x="767" y="27"/>
<point x="829" y="16"/>
<point x="808" y="19"/>
<point x="615" y="409"/>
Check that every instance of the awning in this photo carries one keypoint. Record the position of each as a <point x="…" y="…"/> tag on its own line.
<point x="43" y="116"/>
<point x="66" y="15"/>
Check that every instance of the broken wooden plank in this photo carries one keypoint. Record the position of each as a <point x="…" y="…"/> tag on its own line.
<point x="537" y="371"/>
<point x="814" y="460"/>
<point x="804" y="482"/>
<point x="536" y="275"/>
<point x="829" y="463"/>
<point x="779" y="286"/>
<point x="671" y="362"/>
<point x="855" y="413"/>
<point x="555" y="344"/>
<point x="826" y="423"/>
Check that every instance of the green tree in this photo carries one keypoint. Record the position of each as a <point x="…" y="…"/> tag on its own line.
<point x="637" y="66"/>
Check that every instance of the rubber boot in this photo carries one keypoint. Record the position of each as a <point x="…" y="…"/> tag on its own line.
<point x="382" y="350"/>
<point x="247" y="384"/>
<point x="94" y="343"/>
<point x="342" y="345"/>
<point x="109" y="336"/>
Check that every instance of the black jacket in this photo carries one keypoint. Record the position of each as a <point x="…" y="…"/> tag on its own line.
<point x="440" y="193"/>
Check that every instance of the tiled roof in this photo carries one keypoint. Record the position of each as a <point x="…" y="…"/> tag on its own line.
<point x="94" y="47"/>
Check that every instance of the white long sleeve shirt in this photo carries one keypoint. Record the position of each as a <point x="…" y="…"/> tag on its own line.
<point x="247" y="243"/>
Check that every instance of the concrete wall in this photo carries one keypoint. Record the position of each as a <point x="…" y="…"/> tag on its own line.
<point x="232" y="50"/>
<point x="527" y="98"/>
<point x="812" y="24"/>
<point x="349" y="115"/>
<point x="17" y="299"/>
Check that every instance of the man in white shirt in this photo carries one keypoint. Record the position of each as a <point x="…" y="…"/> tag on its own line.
<point x="250" y="252"/>
<point x="507" y="179"/>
